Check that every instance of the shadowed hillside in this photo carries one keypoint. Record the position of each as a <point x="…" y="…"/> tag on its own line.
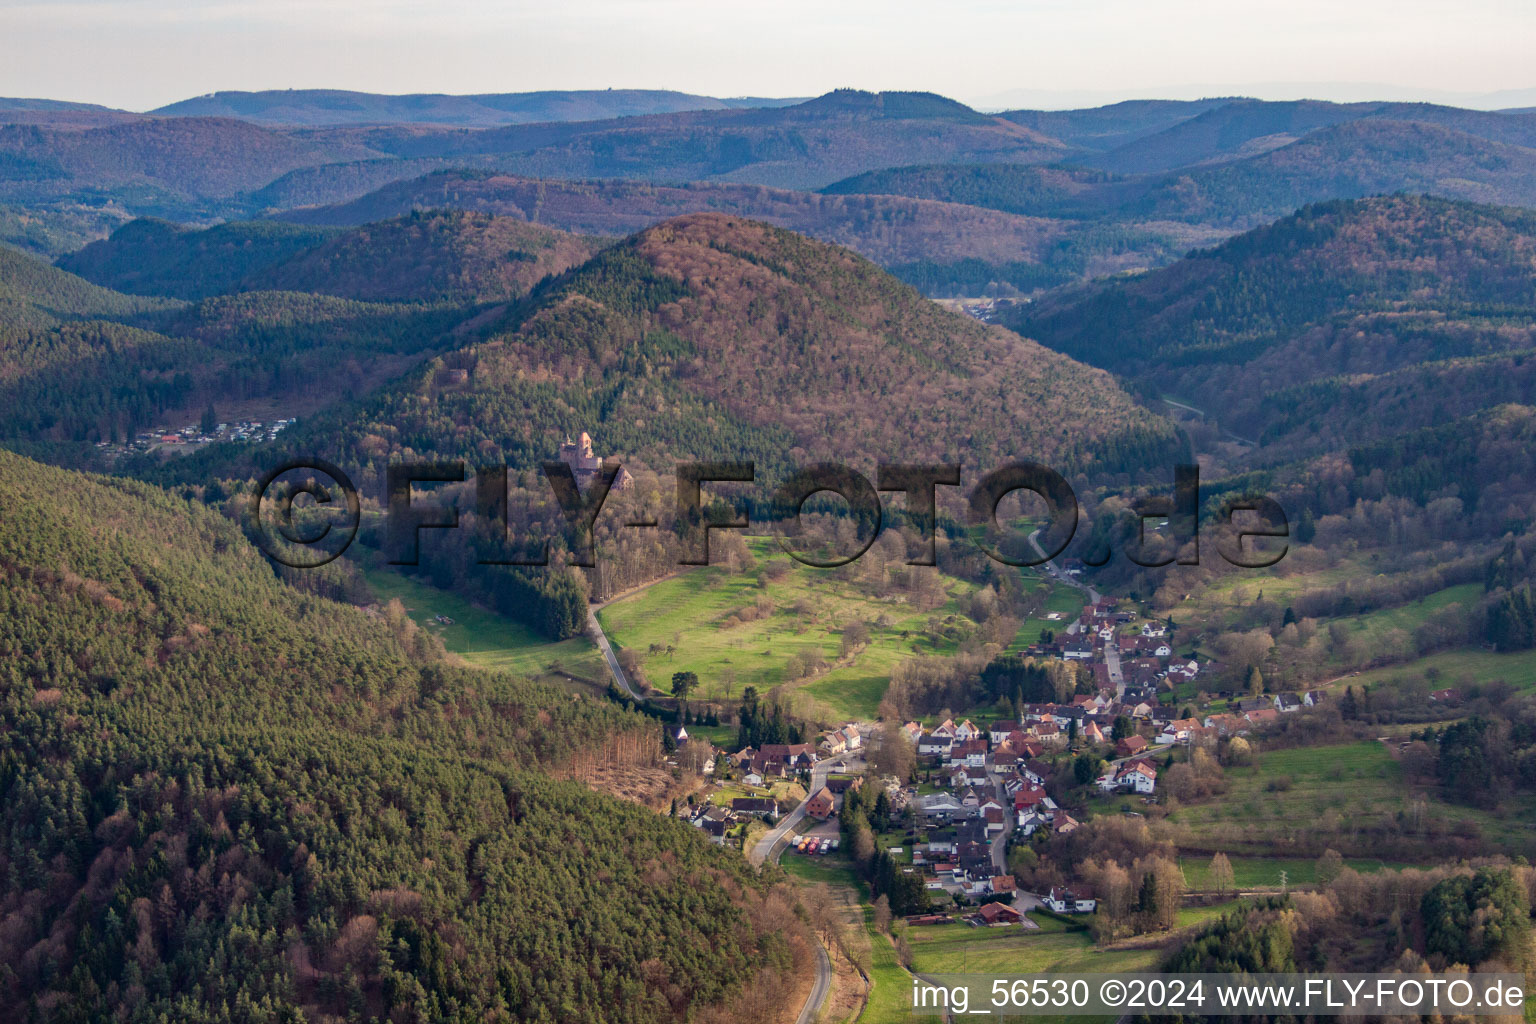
<point x="34" y="294"/>
<point x="156" y="257"/>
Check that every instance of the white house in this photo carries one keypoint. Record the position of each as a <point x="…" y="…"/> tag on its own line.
<point x="933" y="743"/>
<point x="1180" y="730"/>
<point x="1076" y="900"/>
<point x="1000" y="731"/>
<point x="1136" y="777"/>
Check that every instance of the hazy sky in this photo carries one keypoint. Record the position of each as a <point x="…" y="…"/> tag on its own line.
<point x="143" y="53"/>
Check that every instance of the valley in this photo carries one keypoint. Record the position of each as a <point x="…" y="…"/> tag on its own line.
<point x="414" y="788"/>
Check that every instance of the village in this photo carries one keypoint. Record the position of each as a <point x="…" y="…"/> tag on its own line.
<point x="194" y="435"/>
<point x="977" y="789"/>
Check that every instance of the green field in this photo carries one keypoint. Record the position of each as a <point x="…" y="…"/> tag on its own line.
<point x="1518" y="668"/>
<point x="958" y="949"/>
<point x="1066" y="601"/>
<point x="810" y="608"/>
<point x="890" y="996"/>
<point x="1327" y="791"/>
<point x="1411" y="615"/>
<point x="487" y="640"/>
<point x="833" y="869"/>
<point x="1263" y="872"/>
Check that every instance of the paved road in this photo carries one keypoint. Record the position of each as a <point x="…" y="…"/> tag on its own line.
<point x="1050" y="567"/>
<point x="768" y="848"/>
<point x="819" y="988"/>
<point x="595" y="628"/>
<point x="1149" y="752"/>
<point x="1112" y="662"/>
<point x="1000" y="841"/>
<point x="1111" y="649"/>
<point x="763" y="849"/>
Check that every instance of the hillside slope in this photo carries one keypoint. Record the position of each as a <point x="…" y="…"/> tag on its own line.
<point x="157" y="257"/>
<point x="1231" y="130"/>
<point x="34" y="294"/>
<point x="885" y="230"/>
<point x="436" y="256"/>
<point x="206" y="775"/>
<point x="156" y="160"/>
<point x="443" y="255"/>
<point x="711" y="337"/>
<point x="1353" y="160"/>
<point x="1248" y="127"/>
<point x="1117" y="124"/>
<point x="1312" y="329"/>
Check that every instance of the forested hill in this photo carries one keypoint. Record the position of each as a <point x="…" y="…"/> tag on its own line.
<point x="1349" y="160"/>
<point x="434" y="256"/>
<point x="1307" y="331"/>
<point x="714" y="337"/>
<point x="34" y="294"/>
<point x="890" y="230"/>
<point x="944" y="244"/>
<point x="423" y="256"/>
<point x="805" y="145"/>
<point x="224" y="799"/>
<point x="157" y="257"/>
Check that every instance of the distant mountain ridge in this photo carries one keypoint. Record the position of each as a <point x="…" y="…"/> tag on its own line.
<point x="945" y="247"/>
<point x="320" y="107"/>
<point x="1245" y="128"/>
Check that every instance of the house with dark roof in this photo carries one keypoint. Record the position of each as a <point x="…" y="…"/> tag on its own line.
<point x="758" y="807"/>
<point x="997" y="915"/>
<point x="1131" y="746"/>
<point x="1077" y="899"/>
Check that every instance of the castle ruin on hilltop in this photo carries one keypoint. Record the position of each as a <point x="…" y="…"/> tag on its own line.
<point x="584" y="465"/>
